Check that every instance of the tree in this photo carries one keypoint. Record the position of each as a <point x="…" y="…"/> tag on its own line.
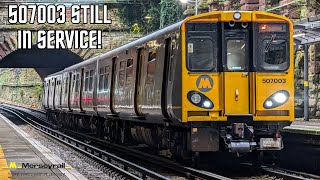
<point x="171" y="12"/>
<point x="148" y="17"/>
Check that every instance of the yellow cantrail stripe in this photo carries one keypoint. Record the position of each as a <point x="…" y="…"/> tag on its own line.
<point x="4" y="170"/>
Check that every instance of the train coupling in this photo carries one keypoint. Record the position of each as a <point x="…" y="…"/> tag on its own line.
<point x="239" y="138"/>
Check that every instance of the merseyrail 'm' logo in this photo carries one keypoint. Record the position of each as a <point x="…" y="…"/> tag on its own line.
<point x="204" y="83"/>
<point x="13" y="165"/>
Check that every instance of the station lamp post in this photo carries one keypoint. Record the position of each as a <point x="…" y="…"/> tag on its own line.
<point x="191" y="1"/>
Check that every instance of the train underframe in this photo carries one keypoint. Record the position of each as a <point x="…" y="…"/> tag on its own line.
<point x="178" y="142"/>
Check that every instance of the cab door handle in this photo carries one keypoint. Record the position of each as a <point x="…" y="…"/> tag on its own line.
<point x="236" y="94"/>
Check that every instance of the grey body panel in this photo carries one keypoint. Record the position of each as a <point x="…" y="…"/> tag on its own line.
<point x="123" y="99"/>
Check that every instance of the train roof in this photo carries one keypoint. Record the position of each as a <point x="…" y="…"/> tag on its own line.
<point x="129" y="45"/>
<point x="115" y="51"/>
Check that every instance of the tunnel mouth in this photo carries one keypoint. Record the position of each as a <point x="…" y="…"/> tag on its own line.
<point x="44" y="61"/>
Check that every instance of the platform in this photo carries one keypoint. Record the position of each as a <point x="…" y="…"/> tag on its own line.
<point x="300" y="126"/>
<point x="24" y="158"/>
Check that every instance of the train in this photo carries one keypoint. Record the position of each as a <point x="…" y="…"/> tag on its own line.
<point x="216" y="82"/>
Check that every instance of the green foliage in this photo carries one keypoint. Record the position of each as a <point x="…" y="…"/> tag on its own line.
<point x="204" y="5"/>
<point x="171" y="12"/>
<point x="38" y="89"/>
<point x="148" y="17"/>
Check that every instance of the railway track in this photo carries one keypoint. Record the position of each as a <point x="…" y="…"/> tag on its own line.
<point x="91" y="144"/>
<point x="125" y="168"/>
<point x="287" y="174"/>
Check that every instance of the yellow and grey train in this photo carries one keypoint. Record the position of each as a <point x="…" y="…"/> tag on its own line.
<point x="219" y="81"/>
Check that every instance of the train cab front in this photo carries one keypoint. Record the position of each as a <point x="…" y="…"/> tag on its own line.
<point x="237" y="80"/>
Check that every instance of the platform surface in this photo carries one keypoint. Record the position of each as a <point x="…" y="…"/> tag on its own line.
<point x="17" y="149"/>
<point x="304" y="127"/>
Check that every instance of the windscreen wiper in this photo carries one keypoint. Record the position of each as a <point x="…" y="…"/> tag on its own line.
<point x="273" y="36"/>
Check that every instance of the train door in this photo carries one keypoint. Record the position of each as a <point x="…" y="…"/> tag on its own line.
<point x="113" y="80"/>
<point x="166" y="73"/>
<point x="236" y="72"/>
<point x="139" y="81"/>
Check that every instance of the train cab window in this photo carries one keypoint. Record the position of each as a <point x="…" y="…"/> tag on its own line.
<point x="200" y="54"/>
<point x="201" y="46"/>
<point x="274" y="53"/>
<point x="273" y="50"/>
<point x="236" y="55"/>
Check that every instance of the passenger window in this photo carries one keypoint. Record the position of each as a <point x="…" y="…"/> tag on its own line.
<point x="67" y="85"/>
<point x="152" y="56"/>
<point x="73" y="81"/>
<point x="106" y="78"/>
<point x="77" y="82"/>
<point x="129" y="71"/>
<point x="151" y="67"/>
<point x="91" y="80"/>
<point x="86" y="84"/>
<point x="101" y="80"/>
<point x="122" y="73"/>
<point x="236" y="55"/>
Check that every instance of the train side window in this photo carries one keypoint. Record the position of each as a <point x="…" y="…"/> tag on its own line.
<point x="73" y="81"/>
<point x="67" y="85"/>
<point x="152" y="55"/>
<point x="86" y="84"/>
<point x="129" y="71"/>
<point x="91" y="80"/>
<point x="101" y="76"/>
<point x="106" y="77"/>
<point x="77" y="82"/>
<point x="122" y="73"/>
<point x="151" y="67"/>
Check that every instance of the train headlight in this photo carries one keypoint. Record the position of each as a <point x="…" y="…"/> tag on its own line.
<point x="237" y="15"/>
<point x="269" y="103"/>
<point x="195" y="98"/>
<point x="280" y="97"/>
<point x="276" y="99"/>
<point x="200" y="100"/>
<point x="207" y="104"/>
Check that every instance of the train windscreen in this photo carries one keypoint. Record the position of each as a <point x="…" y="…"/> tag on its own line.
<point x="202" y="46"/>
<point x="273" y="51"/>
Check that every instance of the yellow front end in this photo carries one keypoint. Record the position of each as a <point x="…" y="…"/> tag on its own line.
<point x="234" y="92"/>
<point x="237" y="92"/>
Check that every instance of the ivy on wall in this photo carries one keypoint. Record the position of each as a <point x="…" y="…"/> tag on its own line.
<point x="147" y="17"/>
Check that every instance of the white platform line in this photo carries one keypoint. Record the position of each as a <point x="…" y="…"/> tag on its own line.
<point x="54" y="159"/>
